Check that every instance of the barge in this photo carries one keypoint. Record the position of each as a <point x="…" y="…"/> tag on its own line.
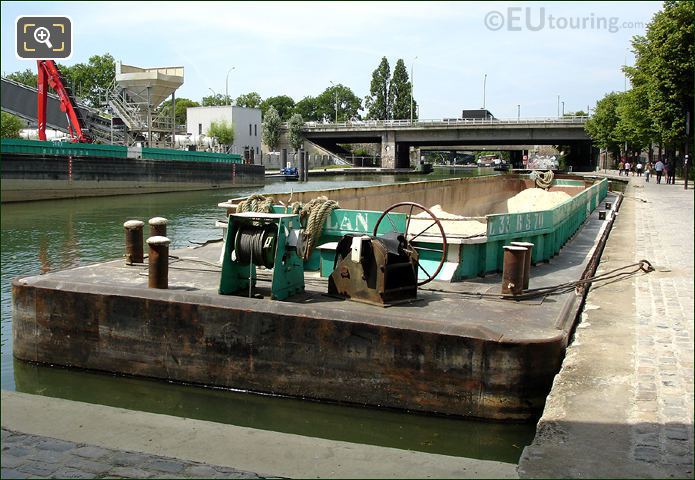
<point x="39" y="170"/>
<point x="459" y="348"/>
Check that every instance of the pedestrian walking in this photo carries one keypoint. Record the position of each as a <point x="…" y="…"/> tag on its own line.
<point x="659" y="169"/>
<point x="648" y="171"/>
<point x="671" y="169"/>
<point x="638" y="167"/>
<point x="627" y="169"/>
<point x="621" y="166"/>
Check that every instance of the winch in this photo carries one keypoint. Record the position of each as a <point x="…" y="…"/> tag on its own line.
<point x="266" y="240"/>
<point x="383" y="269"/>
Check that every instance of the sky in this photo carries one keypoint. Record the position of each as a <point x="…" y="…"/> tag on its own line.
<point x="517" y="57"/>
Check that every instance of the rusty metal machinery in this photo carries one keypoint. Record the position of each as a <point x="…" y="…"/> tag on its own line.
<point x="382" y="269"/>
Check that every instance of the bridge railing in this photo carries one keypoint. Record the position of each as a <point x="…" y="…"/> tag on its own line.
<point x="445" y="122"/>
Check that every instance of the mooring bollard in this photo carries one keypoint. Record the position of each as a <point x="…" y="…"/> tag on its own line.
<point x="513" y="269"/>
<point x="158" y="262"/>
<point x="609" y="205"/>
<point x="158" y="227"/>
<point x="133" y="242"/>
<point x="528" y="257"/>
<point x="602" y="215"/>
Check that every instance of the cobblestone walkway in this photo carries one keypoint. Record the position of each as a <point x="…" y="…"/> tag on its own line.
<point x="663" y="400"/>
<point x="31" y="456"/>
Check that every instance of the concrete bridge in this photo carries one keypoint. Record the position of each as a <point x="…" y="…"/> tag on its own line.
<point x="397" y="136"/>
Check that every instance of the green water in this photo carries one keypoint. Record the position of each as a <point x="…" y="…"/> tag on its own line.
<point x="45" y="236"/>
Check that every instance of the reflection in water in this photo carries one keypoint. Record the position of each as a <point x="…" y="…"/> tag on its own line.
<point x="447" y="436"/>
<point x="39" y="237"/>
<point x="43" y="255"/>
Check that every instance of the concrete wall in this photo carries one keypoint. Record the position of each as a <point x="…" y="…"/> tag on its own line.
<point x="273" y="161"/>
<point x="199" y="119"/>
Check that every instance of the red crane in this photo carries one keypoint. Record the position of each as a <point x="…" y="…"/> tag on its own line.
<point x="49" y="76"/>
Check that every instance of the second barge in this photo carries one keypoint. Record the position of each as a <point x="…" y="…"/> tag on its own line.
<point x="38" y="170"/>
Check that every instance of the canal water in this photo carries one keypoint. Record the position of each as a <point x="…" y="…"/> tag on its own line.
<point x="39" y="237"/>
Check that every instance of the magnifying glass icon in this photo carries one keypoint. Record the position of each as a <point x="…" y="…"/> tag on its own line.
<point x="42" y="35"/>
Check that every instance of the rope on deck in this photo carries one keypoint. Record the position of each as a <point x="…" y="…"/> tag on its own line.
<point x="603" y="279"/>
<point x="313" y="217"/>
<point x="543" y="179"/>
<point x="256" y="203"/>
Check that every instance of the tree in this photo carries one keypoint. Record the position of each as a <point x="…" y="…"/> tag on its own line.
<point x="271" y="128"/>
<point x="601" y="126"/>
<point x="308" y="109"/>
<point x="223" y="131"/>
<point x="216" y="100"/>
<point x="182" y="104"/>
<point x="634" y="127"/>
<point x="92" y="80"/>
<point x="282" y="104"/>
<point x="249" y="100"/>
<point x="25" y="77"/>
<point x="10" y="125"/>
<point x="377" y="104"/>
<point x="400" y="90"/>
<point x="664" y="62"/>
<point x="294" y="131"/>
<point x="348" y="104"/>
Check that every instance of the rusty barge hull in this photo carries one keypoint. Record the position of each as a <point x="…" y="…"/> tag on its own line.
<point x="288" y="351"/>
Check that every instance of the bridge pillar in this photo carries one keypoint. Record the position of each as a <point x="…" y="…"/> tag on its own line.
<point x="581" y="156"/>
<point x="402" y="155"/>
<point x="516" y="158"/>
<point x="388" y="150"/>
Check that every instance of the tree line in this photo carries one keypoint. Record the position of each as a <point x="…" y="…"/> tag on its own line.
<point x="658" y="106"/>
<point x="389" y="95"/>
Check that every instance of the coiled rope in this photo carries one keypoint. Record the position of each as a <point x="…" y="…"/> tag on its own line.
<point x="256" y="203"/>
<point x="313" y="216"/>
<point x="543" y="179"/>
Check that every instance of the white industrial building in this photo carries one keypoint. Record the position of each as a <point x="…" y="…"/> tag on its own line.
<point x="246" y="121"/>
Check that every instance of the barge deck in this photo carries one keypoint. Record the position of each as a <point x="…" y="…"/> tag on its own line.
<point x="448" y="352"/>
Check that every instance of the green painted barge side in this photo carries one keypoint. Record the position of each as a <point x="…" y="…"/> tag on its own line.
<point x="41" y="148"/>
<point x="37" y="170"/>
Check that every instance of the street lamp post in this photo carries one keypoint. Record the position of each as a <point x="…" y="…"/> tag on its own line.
<point x="484" y="87"/>
<point x="336" y="101"/>
<point x="624" y="72"/>
<point x="518" y="113"/>
<point x="214" y="95"/>
<point x="226" y="85"/>
<point x="412" y="85"/>
<point x="563" y="109"/>
<point x="558" y="106"/>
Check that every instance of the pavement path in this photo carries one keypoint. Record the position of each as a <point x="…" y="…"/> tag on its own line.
<point x="622" y="405"/>
<point x="32" y="456"/>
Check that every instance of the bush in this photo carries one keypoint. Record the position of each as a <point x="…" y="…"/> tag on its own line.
<point x="223" y="131"/>
<point x="10" y="125"/>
